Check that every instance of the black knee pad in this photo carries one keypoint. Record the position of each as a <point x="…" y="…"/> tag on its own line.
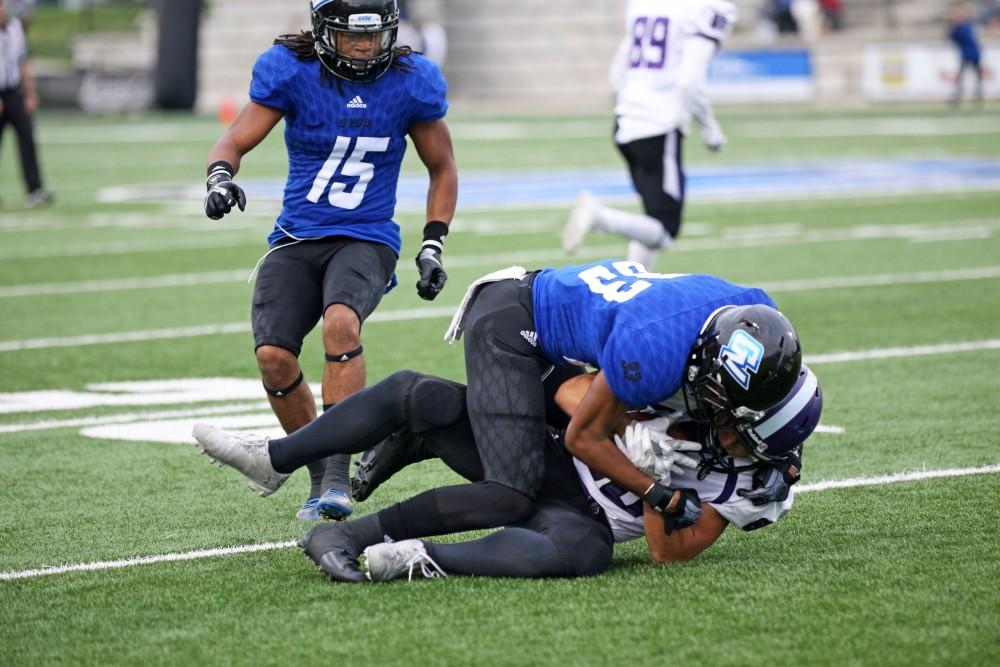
<point x="433" y="402"/>
<point x="513" y="505"/>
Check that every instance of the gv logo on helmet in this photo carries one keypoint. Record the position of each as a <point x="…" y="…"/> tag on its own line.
<point x="364" y="21"/>
<point x="741" y="357"/>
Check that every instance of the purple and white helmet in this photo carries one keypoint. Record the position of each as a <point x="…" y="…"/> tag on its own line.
<point x="785" y="425"/>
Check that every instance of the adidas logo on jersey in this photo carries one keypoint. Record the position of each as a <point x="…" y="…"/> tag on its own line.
<point x="357" y="103"/>
<point x="531" y="337"/>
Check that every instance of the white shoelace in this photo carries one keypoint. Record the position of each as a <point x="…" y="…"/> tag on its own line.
<point x="428" y="568"/>
<point x="247" y="439"/>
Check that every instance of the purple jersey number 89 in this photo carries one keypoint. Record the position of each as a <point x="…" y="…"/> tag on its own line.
<point x="649" y="42"/>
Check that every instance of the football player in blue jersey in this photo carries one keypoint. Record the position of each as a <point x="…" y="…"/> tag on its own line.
<point x="349" y="98"/>
<point x="718" y="351"/>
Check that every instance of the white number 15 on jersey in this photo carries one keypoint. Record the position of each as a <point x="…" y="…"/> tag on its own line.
<point x="351" y="165"/>
<point x="631" y="279"/>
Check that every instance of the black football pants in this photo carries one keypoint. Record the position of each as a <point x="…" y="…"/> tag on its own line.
<point x="15" y="113"/>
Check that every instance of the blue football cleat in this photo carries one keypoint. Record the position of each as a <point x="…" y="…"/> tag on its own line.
<point x="335" y="505"/>
<point x="308" y="511"/>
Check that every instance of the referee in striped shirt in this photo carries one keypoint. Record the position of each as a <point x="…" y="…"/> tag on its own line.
<point x="18" y="101"/>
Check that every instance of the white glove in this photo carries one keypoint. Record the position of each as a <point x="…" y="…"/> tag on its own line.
<point x="658" y="426"/>
<point x="712" y="135"/>
<point x="658" y="457"/>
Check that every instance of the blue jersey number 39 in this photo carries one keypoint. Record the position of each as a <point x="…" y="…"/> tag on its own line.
<point x="626" y="281"/>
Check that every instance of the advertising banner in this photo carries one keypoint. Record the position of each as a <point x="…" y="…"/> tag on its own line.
<point x="784" y="75"/>
<point x="911" y="72"/>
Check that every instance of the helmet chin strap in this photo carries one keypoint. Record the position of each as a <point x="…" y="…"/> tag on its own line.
<point x="716" y="459"/>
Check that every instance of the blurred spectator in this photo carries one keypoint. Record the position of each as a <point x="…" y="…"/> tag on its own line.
<point x="989" y="14"/>
<point x="963" y="35"/>
<point x="795" y="16"/>
<point x="808" y="19"/>
<point x="782" y="17"/>
<point x="22" y="10"/>
<point x="422" y="35"/>
<point x="18" y="101"/>
<point x="833" y="13"/>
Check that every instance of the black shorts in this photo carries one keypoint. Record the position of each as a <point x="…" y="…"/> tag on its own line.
<point x="505" y="396"/>
<point x="658" y="175"/>
<point x="298" y="281"/>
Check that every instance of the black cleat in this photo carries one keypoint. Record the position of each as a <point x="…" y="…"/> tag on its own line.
<point x="384" y="460"/>
<point x="332" y="548"/>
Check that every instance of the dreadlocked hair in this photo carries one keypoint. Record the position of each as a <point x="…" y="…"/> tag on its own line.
<point x="303" y="45"/>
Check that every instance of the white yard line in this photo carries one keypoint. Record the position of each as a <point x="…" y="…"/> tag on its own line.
<point x="894" y="478"/>
<point x="273" y="546"/>
<point x="777" y="234"/>
<point x="835" y="282"/>
<point x="882" y="279"/>
<point x="195" y="331"/>
<point x="896" y="352"/>
<point x="785" y="233"/>
<point x="145" y="560"/>
<point x="127" y="283"/>
<point x="124" y="337"/>
<point x="194" y="242"/>
<point x="230" y="409"/>
<point x="490" y="130"/>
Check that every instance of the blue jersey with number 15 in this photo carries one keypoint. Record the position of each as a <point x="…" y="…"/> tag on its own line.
<point x="345" y="143"/>
<point x="636" y="326"/>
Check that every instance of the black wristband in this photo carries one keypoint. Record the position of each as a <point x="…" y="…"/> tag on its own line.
<point x="435" y="231"/>
<point x="218" y="172"/>
<point x="658" y="497"/>
<point x="221" y="165"/>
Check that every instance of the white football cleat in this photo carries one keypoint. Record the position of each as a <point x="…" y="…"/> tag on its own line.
<point x="391" y="560"/>
<point x="247" y="452"/>
<point x="581" y="219"/>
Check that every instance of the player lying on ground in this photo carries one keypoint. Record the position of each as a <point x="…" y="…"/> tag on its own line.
<point x="698" y="343"/>
<point x="578" y="514"/>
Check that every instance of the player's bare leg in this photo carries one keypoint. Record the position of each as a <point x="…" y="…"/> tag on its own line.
<point x="343" y="374"/>
<point x="294" y="404"/>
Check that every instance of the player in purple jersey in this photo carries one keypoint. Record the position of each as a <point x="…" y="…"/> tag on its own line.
<point x="349" y="98"/>
<point x="659" y="76"/>
<point x="577" y="514"/>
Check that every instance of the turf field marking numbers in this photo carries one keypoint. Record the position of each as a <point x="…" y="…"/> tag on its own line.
<point x="351" y="163"/>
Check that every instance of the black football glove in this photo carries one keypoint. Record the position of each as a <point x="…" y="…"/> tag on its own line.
<point x="771" y="483"/>
<point x="223" y="194"/>
<point x="686" y="506"/>
<point x="432" y="274"/>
